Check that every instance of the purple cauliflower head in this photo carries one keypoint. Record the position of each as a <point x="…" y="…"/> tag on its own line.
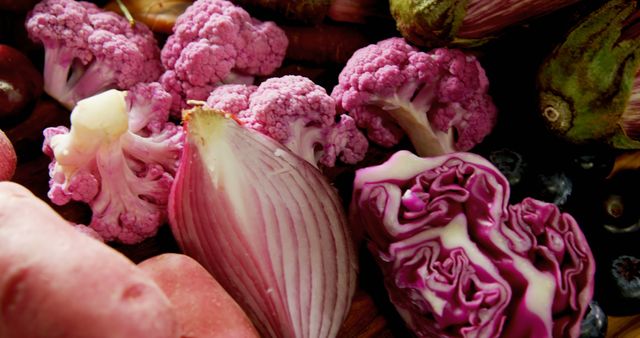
<point x="119" y="157"/>
<point x="438" y="99"/>
<point x="215" y="42"/>
<point x="89" y="50"/>
<point x="458" y="261"/>
<point x="297" y="113"/>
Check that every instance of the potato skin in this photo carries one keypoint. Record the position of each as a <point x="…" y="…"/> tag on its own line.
<point x="57" y="282"/>
<point x="203" y="307"/>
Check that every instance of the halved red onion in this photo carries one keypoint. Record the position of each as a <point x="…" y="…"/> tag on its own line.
<point x="266" y="224"/>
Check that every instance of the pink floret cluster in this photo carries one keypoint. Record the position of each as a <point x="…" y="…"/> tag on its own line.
<point x="296" y="112"/>
<point x="445" y="92"/>
<point x="215" y="42"/>
<point x="89" y="50"/>
<point x="126" y="182"/>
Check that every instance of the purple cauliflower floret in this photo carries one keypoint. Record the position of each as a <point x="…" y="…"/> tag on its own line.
<point x="120" y="157"/>
<point x="231" y="98"/>
<point x="297" y="113"/>
<point x="89" y="50"/>
<point x="458" y="261"/>
<point x="216" y="42"/>
<point x="438" y="99"/>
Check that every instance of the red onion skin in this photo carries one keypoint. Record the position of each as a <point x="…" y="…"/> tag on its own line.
<point x="485" y="18"/>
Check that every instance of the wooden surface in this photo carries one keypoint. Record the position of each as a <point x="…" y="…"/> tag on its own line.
<point x="624" y="327"/>
<point x="371" y="313"/>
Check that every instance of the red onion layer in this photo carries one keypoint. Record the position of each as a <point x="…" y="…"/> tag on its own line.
<point x="266" y="224"/>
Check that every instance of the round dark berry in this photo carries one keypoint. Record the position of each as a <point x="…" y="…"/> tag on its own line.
<point x="626" y="274"/>
<point x="554" y="188"/>
<point x="594" y="323"/>
<point x="620" y="218"/>
<point x="510" y="164"/>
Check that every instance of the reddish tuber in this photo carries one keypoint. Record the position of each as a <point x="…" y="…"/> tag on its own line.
<point x="56" y="282"/>
<point x="203" y="308"/>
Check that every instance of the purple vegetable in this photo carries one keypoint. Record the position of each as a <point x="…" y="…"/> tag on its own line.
<point x="119" y="157"/>
<point x="438" y="99"/>
<point x="297" y="113"/>
<point x="552" y="244"/>
<point x="459" y="262"/>
<point x="89" y="50"/>
<point x="216" y="42"/>
<point x="266" y="224"/>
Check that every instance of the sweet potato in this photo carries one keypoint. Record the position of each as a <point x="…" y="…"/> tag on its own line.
<point x="57" y="282"/>
<point x="203" y="307"/>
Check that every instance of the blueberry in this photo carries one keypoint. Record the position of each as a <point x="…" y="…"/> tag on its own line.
<point x="554" y="188"/>
<point x="510" y="164"/>
<point x="620" y="218"/>
<point x="593" y="163"/>
<point x="620" y="203"/>
<point x="626" y="274"/>
<point x="594" y="323"/>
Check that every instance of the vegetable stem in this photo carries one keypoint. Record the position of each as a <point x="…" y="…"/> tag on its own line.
<point x="126" y="13"/>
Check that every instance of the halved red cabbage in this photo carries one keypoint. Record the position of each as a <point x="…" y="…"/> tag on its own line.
<point x="548" y="242"/>
<point x="459" y="262"/>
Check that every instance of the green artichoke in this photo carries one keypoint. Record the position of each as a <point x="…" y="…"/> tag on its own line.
<point x="589" y="89"/>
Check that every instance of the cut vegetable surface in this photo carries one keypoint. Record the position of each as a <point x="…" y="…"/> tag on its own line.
<point x="459" y="262"/>
<point x="266" y="224"/>
<point x="56" y="282"/>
